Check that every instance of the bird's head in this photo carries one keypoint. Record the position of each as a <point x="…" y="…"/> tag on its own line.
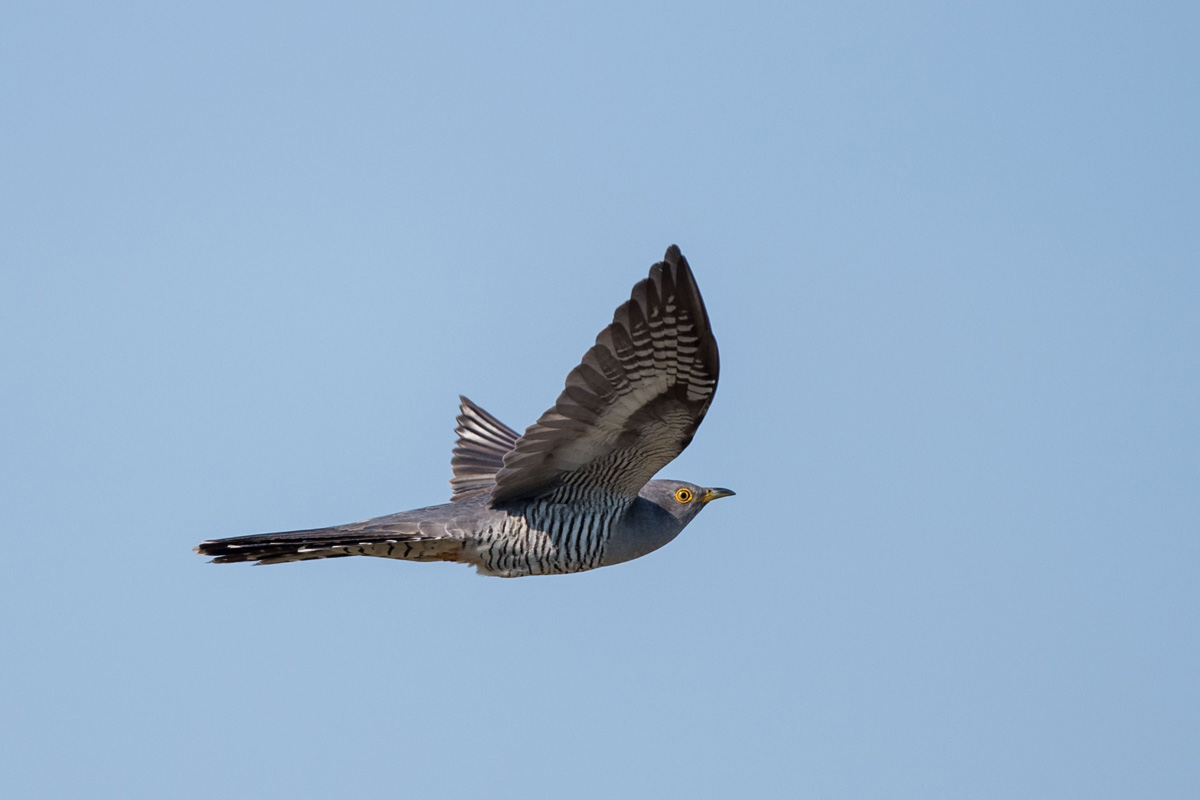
<point x="681" y="499"/>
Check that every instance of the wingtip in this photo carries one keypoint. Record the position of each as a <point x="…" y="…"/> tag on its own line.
<point x="675" y="262"/>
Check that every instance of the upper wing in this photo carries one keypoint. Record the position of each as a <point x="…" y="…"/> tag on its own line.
<point x="634" y="402"/>
<point x="479" y="452"/>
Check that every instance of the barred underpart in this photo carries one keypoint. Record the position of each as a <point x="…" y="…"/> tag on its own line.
<point x="544" y="539"/>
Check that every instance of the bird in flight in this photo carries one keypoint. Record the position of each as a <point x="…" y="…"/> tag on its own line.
<point x="574" y="492"/>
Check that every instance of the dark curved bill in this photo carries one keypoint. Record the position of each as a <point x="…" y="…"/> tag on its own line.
<point x="716" y="494"/>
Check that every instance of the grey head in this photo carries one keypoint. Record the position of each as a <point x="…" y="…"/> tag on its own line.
<point x="680" y="499"/>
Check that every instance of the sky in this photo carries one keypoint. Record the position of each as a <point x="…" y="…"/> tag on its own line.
<point x="251" y="253"/>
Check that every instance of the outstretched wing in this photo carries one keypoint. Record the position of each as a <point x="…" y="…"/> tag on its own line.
<point x="479" y="452"/>
<point x="634" y="402"/>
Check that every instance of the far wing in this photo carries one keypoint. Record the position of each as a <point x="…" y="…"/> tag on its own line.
<point x="479" y="452"/>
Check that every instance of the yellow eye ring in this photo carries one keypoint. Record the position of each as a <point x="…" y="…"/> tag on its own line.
<point x="683" y="495"/>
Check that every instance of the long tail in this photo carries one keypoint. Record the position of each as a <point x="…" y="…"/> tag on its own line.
<point x="383" y="541"/>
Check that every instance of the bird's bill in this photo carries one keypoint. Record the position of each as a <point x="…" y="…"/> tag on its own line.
<point x="716" y="494"/>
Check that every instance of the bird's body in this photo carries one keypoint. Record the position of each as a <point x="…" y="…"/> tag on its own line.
<point x="574" y="492"/>
<point x="514" y="540"/>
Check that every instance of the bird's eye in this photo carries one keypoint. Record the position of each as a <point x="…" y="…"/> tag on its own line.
<point x="683" y="495"/>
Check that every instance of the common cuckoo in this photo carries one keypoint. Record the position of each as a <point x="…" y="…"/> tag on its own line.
<point x="574" y="492"/>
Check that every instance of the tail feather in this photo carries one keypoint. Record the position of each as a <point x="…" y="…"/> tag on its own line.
<point x="337" y="542"/>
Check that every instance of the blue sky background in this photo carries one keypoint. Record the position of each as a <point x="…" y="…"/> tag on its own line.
<point x="251" y="254"/>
